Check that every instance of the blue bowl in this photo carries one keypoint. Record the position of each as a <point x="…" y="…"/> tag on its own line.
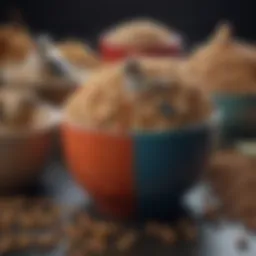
<point x="167" y="165"/>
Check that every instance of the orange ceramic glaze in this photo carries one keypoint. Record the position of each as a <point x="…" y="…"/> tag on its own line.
<point x="96" y="159"/>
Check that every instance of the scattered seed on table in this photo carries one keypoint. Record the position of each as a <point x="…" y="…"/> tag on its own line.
<point x="45" y="220"/>
<point x="73" y="232"/>
<point x="24" y="241"/>
<point x="98" y="246"/>
<point x="152" y="228"/>
<point x="83" y="219"/>
<point x="7" y="219"/>
<point x="26" y="220"/>
<point x="167" y="235"/>
<point x="47" y="240"/>
<point x="101" y="230"/>
<point x="6" y="243"/>
<point x="12" y="202"/>
<point x="126" y="241"/>
<point x="77" y="253"/>
<point x="188" y="230"/>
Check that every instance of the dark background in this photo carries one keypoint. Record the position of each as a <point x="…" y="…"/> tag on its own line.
<point x="87" y="18"/>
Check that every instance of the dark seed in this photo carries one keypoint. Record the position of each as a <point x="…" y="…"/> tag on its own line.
<point x="166" y="109"/>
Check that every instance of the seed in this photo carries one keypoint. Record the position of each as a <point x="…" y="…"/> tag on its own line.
<point x="188" y="230"/>
<point x="47" y="240"/>
<point x="24" y="241"/>
<point x="152" y="228"/>
<point x="97" y="245"/>
<point x="126" y="241"/>
<point x="6" y="243"/>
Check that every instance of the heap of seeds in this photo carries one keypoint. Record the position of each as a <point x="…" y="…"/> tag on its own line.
<point x="97" y="237"/>
<point x="233" y="178"/>
<point x="36" y="224"/>
<point x="28" y="224"/>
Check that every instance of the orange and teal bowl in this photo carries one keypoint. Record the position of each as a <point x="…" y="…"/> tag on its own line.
<point x="140" y="174"/>
<point x="112" y="53"/>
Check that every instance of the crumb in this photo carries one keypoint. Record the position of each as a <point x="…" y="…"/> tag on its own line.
<point x="160" y="231"/>
<point x="26" y="220"/>
<point x="6" y="243"/>
<point x="101" y="230"/>
<point x="45" y="204"/>
<point x="77" y="253"/>
<point x="114" y="228"/>
<point x="7" y="219"/>
<point x="73" y="232"/>
<point x="97" y="245"/>
<point x="44" y="220"/>
<point x="24" y="241"/>
<point x="47" y="240"/>
<point x="168" y="235"/>
<point x="188" y="230"/>
<point x="83" y="220"/>
<point x="152" y="228"/>
<point x="126" y="241"/>
<point x="11" y="202"/>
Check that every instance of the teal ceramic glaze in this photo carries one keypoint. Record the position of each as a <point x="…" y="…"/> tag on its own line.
<point x="166" y="165"/>
<point x="238" y="116"/>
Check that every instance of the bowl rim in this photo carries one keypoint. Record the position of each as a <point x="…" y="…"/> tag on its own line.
<point x="211" y="122"/>
<point x="234" y="96"/>
<point x="50" y="84"/>
<point x="176" y="40"/>
<point x="55" y="119"/>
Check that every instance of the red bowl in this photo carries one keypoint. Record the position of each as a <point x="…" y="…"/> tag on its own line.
<point x="111" y="52"/>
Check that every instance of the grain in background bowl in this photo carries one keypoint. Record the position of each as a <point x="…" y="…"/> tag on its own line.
<point x="225" y="68"/>
<point x="139" y="37"/>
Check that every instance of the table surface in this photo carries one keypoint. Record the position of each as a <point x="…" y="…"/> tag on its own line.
<point x="214" y="240"/>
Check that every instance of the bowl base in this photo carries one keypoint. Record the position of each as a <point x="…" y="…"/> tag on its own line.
<point x="125" y="209"/>
<point x="122" y="208"/>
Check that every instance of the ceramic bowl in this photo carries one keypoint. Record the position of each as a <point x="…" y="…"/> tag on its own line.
<point x="238" y="116"/>
<point x="137" y="174"/>
<point x="111" y="52"/>
<point x="23" y="155"/>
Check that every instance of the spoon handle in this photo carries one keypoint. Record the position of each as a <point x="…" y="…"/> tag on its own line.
<point x="53" y="58"/>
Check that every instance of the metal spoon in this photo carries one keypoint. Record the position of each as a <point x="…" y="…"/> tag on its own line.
<point x="53" y="58"/>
